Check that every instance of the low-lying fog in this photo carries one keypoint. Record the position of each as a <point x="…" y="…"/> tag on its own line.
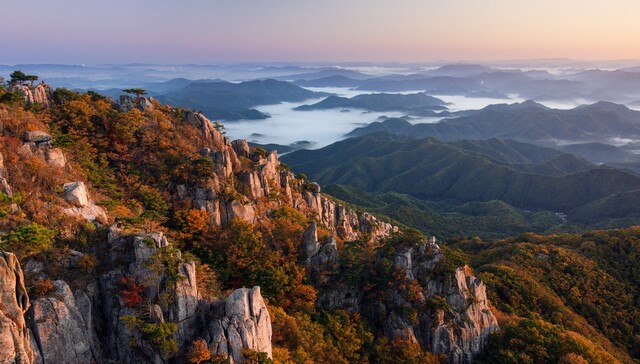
<point x="286" y="126"/>
<point x="324" y="127"/>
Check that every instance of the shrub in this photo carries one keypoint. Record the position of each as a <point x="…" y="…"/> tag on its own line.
<point x="29" y="240"/>
<point x="254" y="357"/>
<point x="159" y="335"/>
<point x="42" y="286"/>
<point x="152" y="201"/>
<point x="198" y="352"/>
<point x="130" y="292"/>
<point x="88" y="262"/>
<point x="452" y="260"/>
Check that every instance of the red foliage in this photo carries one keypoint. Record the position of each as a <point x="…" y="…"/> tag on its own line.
<point x="131" y="292"/>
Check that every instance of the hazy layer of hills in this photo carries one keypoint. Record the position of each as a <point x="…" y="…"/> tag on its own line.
<point x="414" y="104"/>
<point x="233" y="101"/>
<point x="522" y="175"/>
<point x="614" y="81"/>
<point x="587" y="130"/>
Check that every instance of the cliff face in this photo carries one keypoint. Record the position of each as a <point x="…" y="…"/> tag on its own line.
<point x="98" y="324"/>
<point x="445" y="311"/>
<point x="36" y="94"/>
<point x="264" y="186"/>
<point x="461" y="323"/>
<point x="145" y="295"/>
<point x="14" y="302"/>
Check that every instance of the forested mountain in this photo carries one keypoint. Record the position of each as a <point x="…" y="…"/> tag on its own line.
<point x="128" y="230"/>
<point x="413" y="104"/>
<point x="234" y="101"/>
<point x="522" y="175"/>
<point x="530" y="122"/>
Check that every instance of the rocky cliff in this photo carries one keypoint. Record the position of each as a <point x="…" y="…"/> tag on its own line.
<point x="248" y="183"/>
<point x="101" y="323"/>
<point x="14" y="302"/>
<point x="142" y="303"/>
<point x="417" y="295"/>
<point x="35" y="94"/>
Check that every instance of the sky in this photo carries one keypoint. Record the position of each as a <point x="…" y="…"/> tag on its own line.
<point x="202" y="31"/>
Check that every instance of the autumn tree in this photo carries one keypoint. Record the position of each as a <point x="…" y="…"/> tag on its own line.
<point x="198" y="352"/>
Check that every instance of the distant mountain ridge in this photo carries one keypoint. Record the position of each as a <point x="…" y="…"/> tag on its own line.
<point x="527" y="121"/>
<point x="233" y="101"/>
<point x="523" y="175"/>
<point x="413" y="104"/>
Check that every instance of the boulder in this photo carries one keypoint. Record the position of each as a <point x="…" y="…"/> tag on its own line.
<point x="91" y="212"/>
<point x="36" y="136"/>
<point x="55" y="157"/>
<point x="76" y="193"/>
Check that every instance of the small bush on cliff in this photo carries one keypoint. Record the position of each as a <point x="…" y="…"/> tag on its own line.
<point x="159" y="335"/>
<point x="254" y="357"/>
<point x="130" y="292"/>
<point x="198" y="352"/>
<point x="28" y="240"/>
<point x="452" y="260"/>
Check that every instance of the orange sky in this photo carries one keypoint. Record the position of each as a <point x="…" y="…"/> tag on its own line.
<point x="304" y="30"/>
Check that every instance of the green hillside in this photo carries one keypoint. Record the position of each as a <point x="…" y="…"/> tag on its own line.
<point x="525" y="176"/>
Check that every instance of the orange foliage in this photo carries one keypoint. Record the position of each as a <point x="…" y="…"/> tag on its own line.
<point x="198" y="352"/>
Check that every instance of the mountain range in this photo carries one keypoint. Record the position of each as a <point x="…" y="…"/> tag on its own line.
<point x="522" y="175"/>
<point x="527" y="121"/>
<point x="413" y="104"/>
<point x="233" y="101"/>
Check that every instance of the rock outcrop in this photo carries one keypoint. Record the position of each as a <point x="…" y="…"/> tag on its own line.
<point x="265" y="186"/>
<point x="127" y="103"/>
<point x="38" y="143"/>
<point x="76" y="194"/>
<point x="451" y="314"/>
<point x="460" y="324"/>
<point x="244" y="324"/>
<point x="14" y="336"/>
<point x="4" y="184"/>
<point x="345" y="222"/>
<point x="315" y="254"/>
<point x="32" y="94"/>
<point x="59" y="328"/>
<point x="97" y="324"/>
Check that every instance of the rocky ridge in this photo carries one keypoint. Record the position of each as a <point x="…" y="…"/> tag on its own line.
<point x="98" y="324"/>
<point x="453" y="316"/>
<point x="247" y="184"/>
<point x="35" y="94"/>
<point x="265" y="186"/>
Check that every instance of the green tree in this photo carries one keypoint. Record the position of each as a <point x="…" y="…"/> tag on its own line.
<point x="19" y="77"/>
<point x="136" y="91"/>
